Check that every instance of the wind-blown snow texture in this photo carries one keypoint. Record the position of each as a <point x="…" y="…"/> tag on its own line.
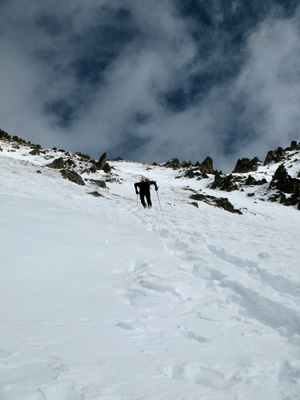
<point x="101" y="299"/>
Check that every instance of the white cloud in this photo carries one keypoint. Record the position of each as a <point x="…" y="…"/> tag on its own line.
<point x="263" y="98"/>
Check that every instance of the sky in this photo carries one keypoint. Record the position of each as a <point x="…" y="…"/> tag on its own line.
<point x="152" y="80"/>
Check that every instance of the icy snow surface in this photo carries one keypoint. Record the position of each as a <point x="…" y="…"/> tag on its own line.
<point x="101" y="299"/>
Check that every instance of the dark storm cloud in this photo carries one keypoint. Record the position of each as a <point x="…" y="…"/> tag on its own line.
<point x="152" y="80"/>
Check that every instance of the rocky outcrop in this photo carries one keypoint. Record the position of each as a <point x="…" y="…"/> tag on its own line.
<point x="274" y="156"/>
<point x="220" y="202"/>
<point x="103" y="165"/>
<point x="99" y="183"/>
<point x="207" y="166"/>
<point x="58" y="163"/>
<point x="282" y="180"/>
<point x="36" y="150"/>
<point x="293" y="145"/>
<point x="227" y="183"/>
<point x="173" y="163"/>
<point x="250" y="181"/>
<point x="285" y="184"/>
<point x="72" y="176"/>
<point x="102" y="161"/>
<point x="245" y="165"/>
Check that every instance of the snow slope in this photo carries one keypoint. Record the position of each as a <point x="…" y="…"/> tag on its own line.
<point x="101" y="299"/>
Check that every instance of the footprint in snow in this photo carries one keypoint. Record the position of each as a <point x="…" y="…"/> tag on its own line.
<point x="194" y="372"/>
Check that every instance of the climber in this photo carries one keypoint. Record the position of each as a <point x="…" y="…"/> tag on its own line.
<point x="143" y="189"/>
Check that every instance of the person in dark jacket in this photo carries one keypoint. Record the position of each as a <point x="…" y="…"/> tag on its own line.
<point x="143" y="189"/>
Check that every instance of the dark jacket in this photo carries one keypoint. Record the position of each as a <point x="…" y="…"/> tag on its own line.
<point x="144" y="187"/>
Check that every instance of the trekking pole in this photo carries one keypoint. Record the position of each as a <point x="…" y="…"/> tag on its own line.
<point x="158" y="201"/>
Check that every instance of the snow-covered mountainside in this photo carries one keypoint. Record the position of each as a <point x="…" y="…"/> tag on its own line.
<point x="102" y="299"/>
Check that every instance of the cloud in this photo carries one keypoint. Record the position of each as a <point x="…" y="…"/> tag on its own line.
<point x="269" y="83"/>
<point x="145" y="82"/>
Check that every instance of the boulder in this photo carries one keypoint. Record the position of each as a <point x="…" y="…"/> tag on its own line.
<point x="102" y="161"/>
<point x="95" y="194"/>
<point x="58" y="163"/>
<point x="293" y="145"/>
<point x="35" y="151"/>
<point x="103" y="165"/>
<point x="98" y="182"/>
<point x="72" y="176"/>
<point x="107" y="168"/>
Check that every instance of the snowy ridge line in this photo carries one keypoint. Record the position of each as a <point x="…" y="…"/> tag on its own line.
<point x="250" y="177"/>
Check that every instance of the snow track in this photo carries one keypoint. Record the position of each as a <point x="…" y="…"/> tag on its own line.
<point x="101" y="299"/>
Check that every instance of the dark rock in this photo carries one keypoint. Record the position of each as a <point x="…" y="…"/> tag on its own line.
<point x="173" y="163"/>
<point x="103" y="165"/>
<point x="4" y="135"/>
<point x="38" y="171"/>
<point x="284" y="183"/>
<point x="98" y="183"/>
<point x="250" y="181"/>
<point x="193" y="173"/>
<point x="102" y="161"/>
<point x="295" y="197"/>
<point x="293" y="145"/>
<point x="223" y="202"/>
<point x="207" y="166"/>
<point x="282" y="199"/>
<point x="58" y="163"/>
<point x="35" y="152"/>
<point x="220" y="202"/>
<point x="244" y="165"/>
<point x="93" y="169"/>
<point x="296" y="188"/>
<point x="195" y="204"/>
<point x="72" y="176"/>
<point x="273" y="198"/>
<point x="291" y="201"/>
<point x="274" y="156"/>
<point x="186" y="164"/>
<point x="282" y="180"/>
<point x="70" y="163"/>
<point x="96" y="194"/>
<point x="107" y="168"/>
<point x="218" y="181"/>
<point x="84" y="157"/>
<point x="228" y="184"/>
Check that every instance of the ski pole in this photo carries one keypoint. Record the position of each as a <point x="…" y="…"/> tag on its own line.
<point x="158" y="201"/>
<point x="137" y="199"/>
